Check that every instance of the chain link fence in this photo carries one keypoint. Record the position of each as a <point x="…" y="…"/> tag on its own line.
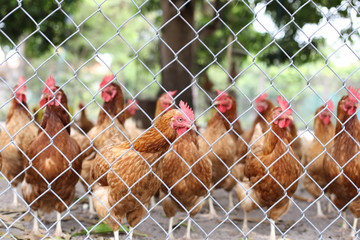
<point x="246" y="169"/>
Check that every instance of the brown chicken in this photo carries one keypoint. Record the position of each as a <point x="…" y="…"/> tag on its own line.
<point x="187" y="177"/>
<point x="343" y="168"/>
<point x="110" y="121"/>
<point x="139" y="165"/>
<point x="55" y="160"/>
<point x="164" y="103"/>
<point x="271" y="153"/>
<point x="264" y="106"/>
<point x="84" y="123"/>
<point x="130" y="125"/>
<point x="222" y="150"/>
<point x="131" y="108"/>
<point x="108" y="128"/>
<point x="313" y="160"/>
<point x="20" y="131"/>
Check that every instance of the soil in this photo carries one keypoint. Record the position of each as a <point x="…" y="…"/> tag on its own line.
<point x="299" y="223"/>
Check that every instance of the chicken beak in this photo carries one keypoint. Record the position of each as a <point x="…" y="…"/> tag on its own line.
<point x="216" y="103"/>
<point x="290" y="118"/>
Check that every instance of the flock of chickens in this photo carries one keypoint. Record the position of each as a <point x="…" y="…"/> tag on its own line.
<point x="124" y="168"/>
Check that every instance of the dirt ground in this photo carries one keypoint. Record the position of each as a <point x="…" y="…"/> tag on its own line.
<point x="299" y="223"/>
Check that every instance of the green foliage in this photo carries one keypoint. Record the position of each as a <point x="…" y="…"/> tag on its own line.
<point x="42" y="20"/>
<point x="290" y="17"/>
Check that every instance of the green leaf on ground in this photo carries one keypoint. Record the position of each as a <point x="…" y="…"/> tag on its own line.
<point x="103" y="228"/>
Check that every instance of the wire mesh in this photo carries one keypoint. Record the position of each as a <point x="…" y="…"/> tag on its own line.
<point x="209" y="165"/>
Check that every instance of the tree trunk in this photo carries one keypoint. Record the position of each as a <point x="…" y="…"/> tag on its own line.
<point x="177" y="34"/>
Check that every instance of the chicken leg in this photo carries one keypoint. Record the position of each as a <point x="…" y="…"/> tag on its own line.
<point x="344" y="225"/>
<point x="131" y="230"/>
<point x="15" y="198"/>
<point x="231" y="202"/>
<point x="245" y="227"/>
<point x="319" y="212"/>
<point x="36" y="230"/>
<point x="272" y="229"/>
<point x="58" y="230"/>
<point x="188" y="229"/>
<point x="171" y="222"/>
<point x="91" y="206"/>
<point x="212" y="212"/>
<point x="116" y="235"/>
<point x="353" y="231"/>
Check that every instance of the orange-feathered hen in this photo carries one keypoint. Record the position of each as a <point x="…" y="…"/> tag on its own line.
<point x="221" y="146"/>
<point x="55" y="160"/>
<point x="131" y="108"/>
<point x="84" y="123"/>
<point x="136" y="169"/>
<point x="264" y="106"/>
<point x="109" y="127"/>
<point x="20" y="131"/>
<point x="271" y="152"/>
<point x="164" y="103"/>
<point x="343" y="168"/>
<point x="130" y="125"/>
<point x="187" y="177"/>
<point x="111" y="117"/>
<point x="313" y="160"/>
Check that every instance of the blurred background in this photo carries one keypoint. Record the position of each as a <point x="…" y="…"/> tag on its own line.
<point x="306" y="50"/>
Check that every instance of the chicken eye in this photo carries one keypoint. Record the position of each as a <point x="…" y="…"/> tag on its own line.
<point x="180" y="119"/>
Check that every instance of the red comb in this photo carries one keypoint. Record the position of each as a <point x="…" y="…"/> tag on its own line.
<point x="283" y="104"/>
<point x="50" y="82"/>
<point x="106" y="80"/>
<point x="187" y="110"/>
<point x="330" y="106"/>
<point x="221" y="93"/>
<point x="354" y="94"/>
<point x="261" y="97"/>
<point x="21" y="82"/>
<point x="172" y="93"/>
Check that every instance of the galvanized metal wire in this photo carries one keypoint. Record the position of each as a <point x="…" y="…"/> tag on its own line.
<point x="228" y="214"/>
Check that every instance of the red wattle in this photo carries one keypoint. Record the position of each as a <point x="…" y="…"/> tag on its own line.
<point x="282" y="123"/>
